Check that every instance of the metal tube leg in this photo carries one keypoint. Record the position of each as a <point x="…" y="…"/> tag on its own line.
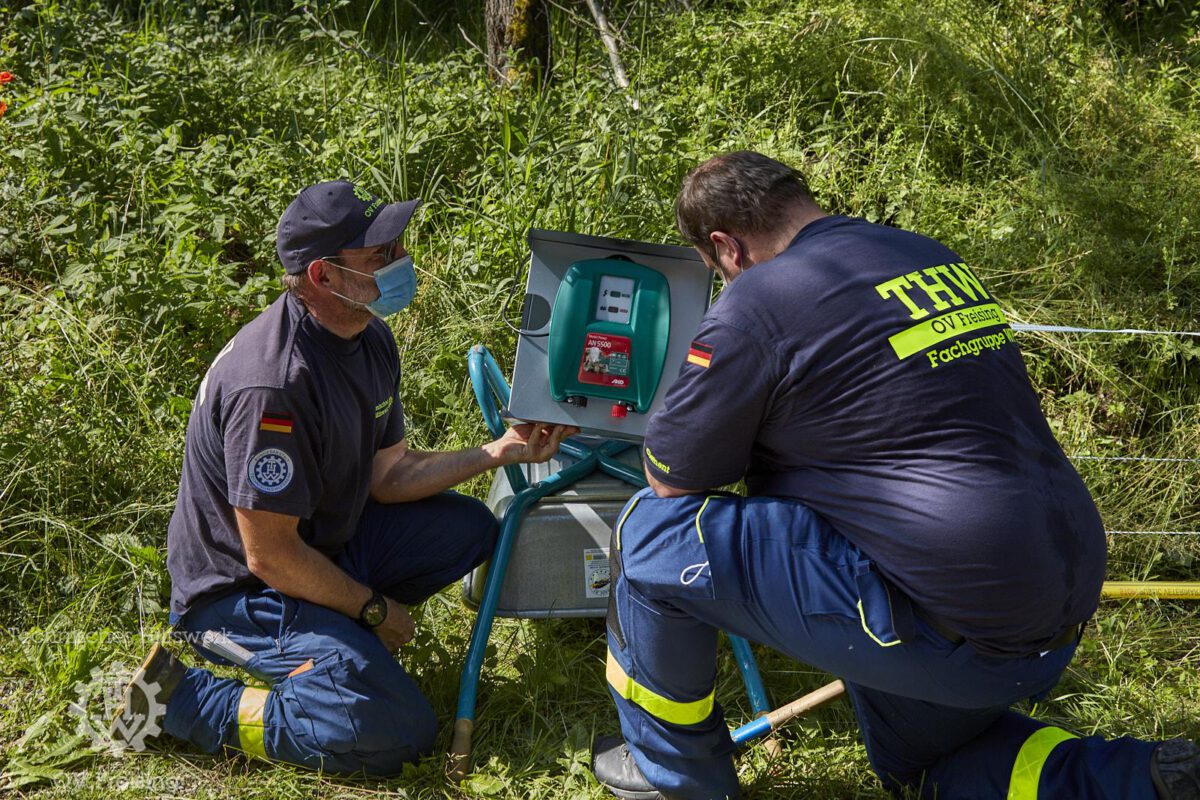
<point x="460" y="752"/>
<point x="460" y="747"/>
<point x="750" y="674"/>
<point x="755" y="690"/>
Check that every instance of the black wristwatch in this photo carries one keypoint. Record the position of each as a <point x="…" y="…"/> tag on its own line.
<point x="374" y="611"/>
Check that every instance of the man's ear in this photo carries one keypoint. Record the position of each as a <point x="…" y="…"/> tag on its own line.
<point x="318" y="272"/>
<point x="724" y="242"/>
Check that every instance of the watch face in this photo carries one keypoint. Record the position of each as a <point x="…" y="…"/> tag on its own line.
<point x="375" y="612"/>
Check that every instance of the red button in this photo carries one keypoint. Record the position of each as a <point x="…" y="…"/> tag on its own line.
<point x="619" y="411"/>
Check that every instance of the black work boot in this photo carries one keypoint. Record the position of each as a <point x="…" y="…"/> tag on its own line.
<point x="1175" y="770"/>
<point x="144" y="703"/>
<point x="616" y="770"/>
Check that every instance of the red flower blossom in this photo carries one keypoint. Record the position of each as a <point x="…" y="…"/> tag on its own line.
<point x="3" y="107"/>
<point x="5" y="77"/>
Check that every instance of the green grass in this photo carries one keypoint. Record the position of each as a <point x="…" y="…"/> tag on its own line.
<point x="146" y="155"/>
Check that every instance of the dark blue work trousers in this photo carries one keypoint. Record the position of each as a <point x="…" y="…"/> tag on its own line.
<point x="934" y="714"/>
<point x="336" y="700"/>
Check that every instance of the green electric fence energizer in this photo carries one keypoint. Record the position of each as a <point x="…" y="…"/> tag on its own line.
<point x="609" y="331"/>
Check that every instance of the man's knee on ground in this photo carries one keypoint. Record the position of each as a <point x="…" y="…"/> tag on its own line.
<point x="379" y="744"/>
<point x="394" y="723"/>
<point x="349" y="718"/>
<point x="405" y="727"/>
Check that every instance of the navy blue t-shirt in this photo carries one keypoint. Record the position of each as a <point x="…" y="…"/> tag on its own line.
<point x="288" y="419"/>
<point x="868" y="372"/>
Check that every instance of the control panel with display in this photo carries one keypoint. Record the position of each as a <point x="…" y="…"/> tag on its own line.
<point x="608" y="334"/>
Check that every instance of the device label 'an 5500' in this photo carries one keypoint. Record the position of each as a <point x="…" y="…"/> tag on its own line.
<point x="605" y="360"/>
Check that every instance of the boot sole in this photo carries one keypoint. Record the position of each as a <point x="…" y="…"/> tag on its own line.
<point x="139" y="676"/>
<point x="626" y="794"/>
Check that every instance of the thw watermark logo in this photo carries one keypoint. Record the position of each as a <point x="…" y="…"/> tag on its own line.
<point x="117" y="712"/>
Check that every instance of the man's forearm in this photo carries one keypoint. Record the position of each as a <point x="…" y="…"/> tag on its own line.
<point x="421" y="474"/>
<point x="305" y="573"/>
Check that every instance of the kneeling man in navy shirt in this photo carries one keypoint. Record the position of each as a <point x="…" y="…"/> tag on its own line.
<point x="911" y="524"/>
<point x="305" y="524"/>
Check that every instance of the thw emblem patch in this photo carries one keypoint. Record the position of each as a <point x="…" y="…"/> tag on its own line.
<point x="270" y="470"/>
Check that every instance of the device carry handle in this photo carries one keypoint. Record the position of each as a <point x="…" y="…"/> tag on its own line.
<point x="491" y="394"/>
<point x="491" y="390"/>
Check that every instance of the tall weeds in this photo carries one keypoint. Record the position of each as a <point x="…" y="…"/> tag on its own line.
<point x="148" y="149"/>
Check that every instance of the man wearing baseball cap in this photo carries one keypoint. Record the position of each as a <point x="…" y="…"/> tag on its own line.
<point x="305" y="525"/>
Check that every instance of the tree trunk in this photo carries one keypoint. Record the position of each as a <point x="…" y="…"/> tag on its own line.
<point x="518" y="39"/>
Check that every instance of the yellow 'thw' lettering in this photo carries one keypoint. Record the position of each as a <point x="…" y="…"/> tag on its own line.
<point x="937" y="285"/>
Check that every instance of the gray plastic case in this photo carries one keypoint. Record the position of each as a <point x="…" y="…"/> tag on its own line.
<point x="549" y="572"/>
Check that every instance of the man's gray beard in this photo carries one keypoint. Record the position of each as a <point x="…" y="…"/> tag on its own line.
<point x="354" y="305"/>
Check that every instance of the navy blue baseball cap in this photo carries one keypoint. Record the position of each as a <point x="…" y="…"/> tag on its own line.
<point x="336" y="215"/>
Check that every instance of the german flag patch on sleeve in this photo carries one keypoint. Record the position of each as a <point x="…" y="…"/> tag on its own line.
<point x="700" y="354"/>
<point x="275" y="421"/>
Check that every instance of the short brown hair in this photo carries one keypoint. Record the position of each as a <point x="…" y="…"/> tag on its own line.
<point x="295" y="283"/>
<point x="738" y="192"/>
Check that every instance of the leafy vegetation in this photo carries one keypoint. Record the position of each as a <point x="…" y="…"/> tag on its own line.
<point x="146" y="151"/>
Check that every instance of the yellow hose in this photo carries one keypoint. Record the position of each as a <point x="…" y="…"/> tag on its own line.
<point x="1151" y="590"/>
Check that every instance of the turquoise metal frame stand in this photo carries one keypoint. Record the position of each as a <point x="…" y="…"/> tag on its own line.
<point x="492" y="393"/>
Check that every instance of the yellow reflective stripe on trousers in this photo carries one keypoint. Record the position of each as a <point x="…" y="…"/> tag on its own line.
<point x="699" y="514"/>
<point x="1027" y="771"/>
<point x="250" y="721"/>
<point x="654" y="703"/>
<point x="862" y="615"/>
